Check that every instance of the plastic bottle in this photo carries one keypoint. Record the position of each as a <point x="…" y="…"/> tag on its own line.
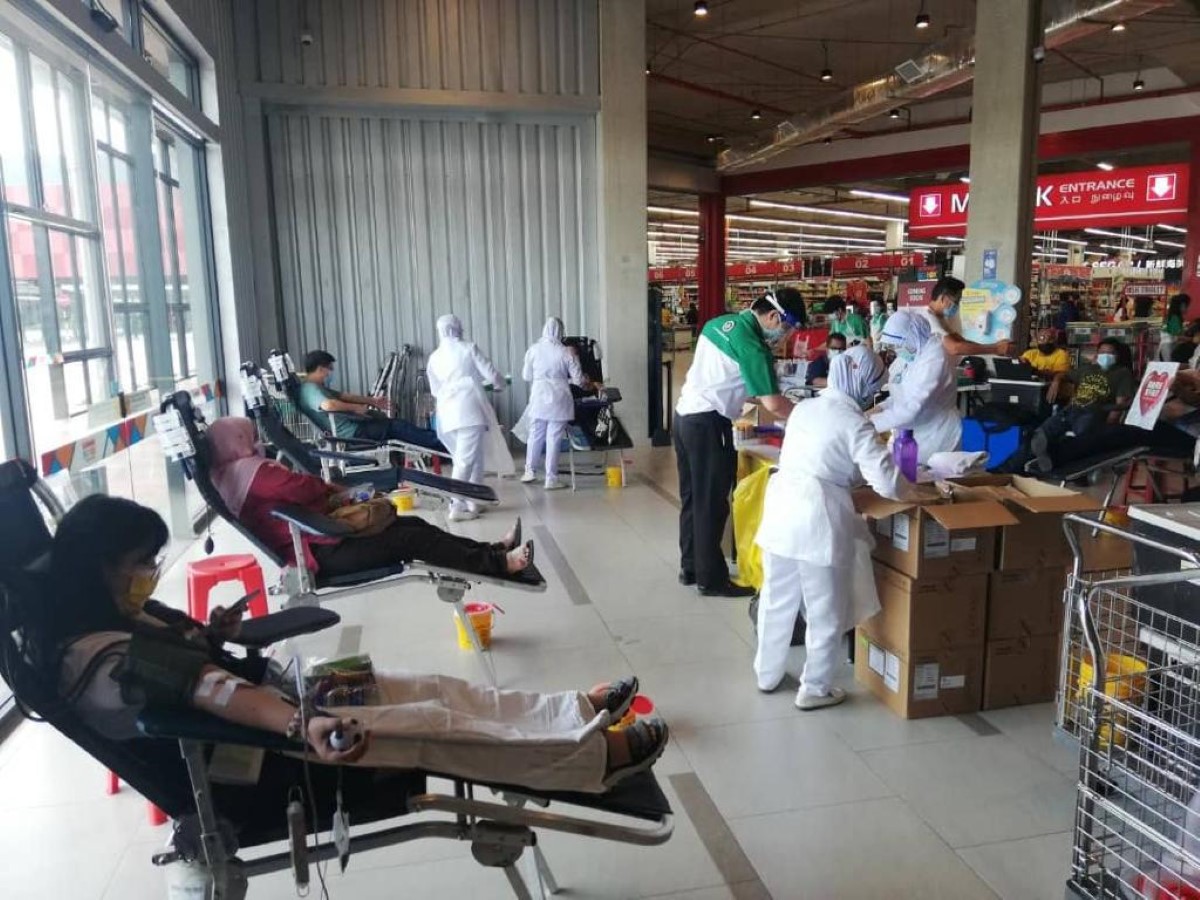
<point x="904" y="454"/>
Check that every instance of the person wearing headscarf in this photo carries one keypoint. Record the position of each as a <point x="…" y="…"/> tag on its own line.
<point x="551" y="367"/>
<point x="252" y="486"/>
<point x="816" y="550"/>
<point x="466" y="422"/>
<point x="923" y="387"/>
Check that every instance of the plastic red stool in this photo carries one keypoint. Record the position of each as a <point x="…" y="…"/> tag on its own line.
<point x="153" y="813"/>
<point x="205" y="574"/>
<point x="114" y="783"/>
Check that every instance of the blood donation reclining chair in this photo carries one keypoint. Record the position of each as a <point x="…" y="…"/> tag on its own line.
<point x="228" y="829"/>
<point x="181" y="431"/>
<point x="283" y="372"/>
<point x="349" y="468"/>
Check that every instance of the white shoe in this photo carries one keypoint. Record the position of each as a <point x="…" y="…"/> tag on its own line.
<point x="553" y="484"/>
<point x="807" y="701"/>
<point x="461" y="515"/>
<point x="528" y="477"/>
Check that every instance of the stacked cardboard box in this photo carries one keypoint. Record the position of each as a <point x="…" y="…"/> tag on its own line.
<point x="922" y="654"/>
<point x="971" y="596"/>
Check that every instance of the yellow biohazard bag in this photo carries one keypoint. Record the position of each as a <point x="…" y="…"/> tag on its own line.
<point x="748" y="499"/>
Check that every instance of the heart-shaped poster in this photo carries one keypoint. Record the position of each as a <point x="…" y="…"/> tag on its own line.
<point x="1153" y="391"/>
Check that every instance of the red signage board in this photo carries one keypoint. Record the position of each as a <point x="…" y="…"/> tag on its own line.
<point x="1146" y="195"/>
<point x="842" y="265"/>
<point x="873" y="262"/>
<point x="914" y="293"/>
<point x="672" y="273"/>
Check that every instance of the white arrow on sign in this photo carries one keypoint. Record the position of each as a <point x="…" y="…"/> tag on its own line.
<point x="930" y="204"/>
<point x="1161" y="185"/>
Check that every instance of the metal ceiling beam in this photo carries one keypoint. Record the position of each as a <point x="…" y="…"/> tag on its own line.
<point x="718" y="94"/>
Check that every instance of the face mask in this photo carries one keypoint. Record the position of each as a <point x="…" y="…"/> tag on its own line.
<point x="906" y="355"/>
<point x="1106" y="360"/>
<point x="141" y="588"/>
<point x="834" y="354"/>
<point x="1046" y="348"/>
<point x="950" y="311"/>
<point x="329" y="380"/>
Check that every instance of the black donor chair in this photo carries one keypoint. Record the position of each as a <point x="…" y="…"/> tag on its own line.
<point x="229" y="829"/>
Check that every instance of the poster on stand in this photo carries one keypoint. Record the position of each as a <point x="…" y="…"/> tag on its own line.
<point x="1151" y="395"/>
<point x="988" y="311"/>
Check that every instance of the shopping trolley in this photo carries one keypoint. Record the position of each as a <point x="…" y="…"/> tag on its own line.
<point x="1130" y="692"/>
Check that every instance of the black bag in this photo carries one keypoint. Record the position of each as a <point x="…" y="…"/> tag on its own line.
<point x="798" y="630"/>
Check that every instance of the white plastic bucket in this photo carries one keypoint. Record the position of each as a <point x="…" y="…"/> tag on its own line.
<point x="186" y="881"/>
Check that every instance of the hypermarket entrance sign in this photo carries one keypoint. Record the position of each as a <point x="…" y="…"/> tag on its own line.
<point x="1146" y="195"/>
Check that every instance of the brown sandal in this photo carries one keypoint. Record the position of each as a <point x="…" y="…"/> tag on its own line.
<point x="647" y="742"/>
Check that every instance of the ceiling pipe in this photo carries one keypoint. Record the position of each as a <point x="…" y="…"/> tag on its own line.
<point x="945" y="65"/>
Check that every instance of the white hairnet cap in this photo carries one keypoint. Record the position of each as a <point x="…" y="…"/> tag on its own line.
<point x="857" y="373"/>
<point x="907" y="330"/>
<point x="554" y="330"/>
<point x="448" y="326"/>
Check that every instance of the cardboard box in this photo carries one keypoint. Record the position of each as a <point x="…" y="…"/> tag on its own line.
<point x="1105" y="552"/>
<point x="1036" y="541"/>
<point x="943" y="683"/>
<point x="1022" y="604"/>
<point x="934" y="540"/>
<point x="930" y="614"/>
<point x="1020" y="670"/>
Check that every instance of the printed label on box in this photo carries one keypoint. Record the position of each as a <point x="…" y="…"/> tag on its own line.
<point x="925" y="682"/>
<point x="891" y="674"/>
<point x="950" y="682"/>
<point x="875" y="659"/>
<point x="962" y="545"/>
<point x="937" y="541"/>
<point x="884" y="526"/>
<point x="900" y="532"/>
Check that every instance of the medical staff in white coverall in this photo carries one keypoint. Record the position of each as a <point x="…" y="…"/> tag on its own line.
<point x="816" y="549"/>
<point x="923" y="386"/>
<point x="466" y="422"/>
<point x="550" y="368"/>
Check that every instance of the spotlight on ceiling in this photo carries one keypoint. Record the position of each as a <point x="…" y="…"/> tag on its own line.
<point x="1139" y="84"/>
<point x="1105" y="166"/>
<point x="894" y="114"/>
<point x="827" y="74"/>
<point x="755" y="114"/>
<point x="700" y="9"/>
<point x="1118" y="27"/>
<point x="922" y="20"/>
<point x="827" y="140"/>
<point x="713" y="138"/>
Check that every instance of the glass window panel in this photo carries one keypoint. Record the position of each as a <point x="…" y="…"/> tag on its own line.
<point x="123" y="351"/>
<point x="171" y="60"/>
<point x="110" y="226"/>
<point x="117" y="129"/>
<point x="123" y="172"/>
<point x="68" y="293"/>
<point x="70" y="107"/>
<point x="49" y="143"/>
<point x="92" y="306"/>
<point x="166" y="219"/>
<point x="13" y="140"/>
<point x="75" y="379"/>
<point x="100" y="120"/>
<point x="138" y="330"/>
<point x="26" y="273"/>
<point x="174" y="325"/>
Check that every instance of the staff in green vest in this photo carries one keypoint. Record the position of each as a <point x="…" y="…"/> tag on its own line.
<point x="732" y="364"/>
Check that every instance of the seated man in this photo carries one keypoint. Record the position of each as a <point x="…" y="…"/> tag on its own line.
<point x="818" y="370"/>
<point x="113" y="652"/>
<point x="1102" y="391"/>
<point x="252" y="486"/>
<point x="1047" y="358"/>
<point x="319" y="399"/>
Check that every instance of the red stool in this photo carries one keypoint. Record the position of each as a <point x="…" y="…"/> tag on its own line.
<point x="153" y="813"/>
<point x="204" y="575"/>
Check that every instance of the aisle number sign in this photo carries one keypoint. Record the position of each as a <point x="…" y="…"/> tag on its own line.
<point x="1145" y="195"/>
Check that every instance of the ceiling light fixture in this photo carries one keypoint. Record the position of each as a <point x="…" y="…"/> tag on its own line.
<point x="922" y="20"/>
<point x="1139" y="84"/>
<point x="672" y="211"/>
<point x="826" y="73"/>
<point x="1174" y="228"/>
<point x="1118" y="27"/>
<point x="879" y="195"/>
<point x="827" y="141"/>
<point x="824" y="226"/>
<point x="755" y="114"/>
<point x="965" y="179"/>
<point x="1117" y="234"/>
<point x="825" y="211"/>
<point x="1105" y="166"/>
<point x="894" y="114"/>
<point x="713" y="138"/>
<point x="700" y="9"/>
<point x="1172" y="244"/>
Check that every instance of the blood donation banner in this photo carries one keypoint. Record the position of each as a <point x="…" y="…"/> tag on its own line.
<point x="1146" y="195"/>
<point x="1151" y="395"/>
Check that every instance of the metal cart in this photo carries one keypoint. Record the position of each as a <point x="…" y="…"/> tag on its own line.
<point x="1130" y="692"/>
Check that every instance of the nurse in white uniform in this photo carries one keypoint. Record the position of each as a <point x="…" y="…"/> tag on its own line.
<point x="550" y="368"/>
<point x="923" y="387"/>
<point x="816" y="548"/>
<point x="466" y="422"/>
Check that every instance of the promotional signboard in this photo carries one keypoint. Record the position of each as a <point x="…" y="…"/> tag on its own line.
<point x="989" y="310"/>
<point x="1146" y="195"/>
<point x="1151" y="395"/>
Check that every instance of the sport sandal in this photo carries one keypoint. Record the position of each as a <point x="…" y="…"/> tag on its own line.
<point x="647" y="741"/>
<point x="618" y="697"/>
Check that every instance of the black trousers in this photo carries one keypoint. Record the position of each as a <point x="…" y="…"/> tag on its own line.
<point x="707" y="468"/>
<point x="409" y="538"/>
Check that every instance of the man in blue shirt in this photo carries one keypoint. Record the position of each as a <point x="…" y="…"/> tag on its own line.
<point x="817" y="374"/>
<point x="319" y="399"/>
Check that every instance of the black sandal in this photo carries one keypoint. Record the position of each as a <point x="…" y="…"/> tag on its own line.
<point x="618" y="697"/>
<point x="516" y="532"/>
<point x="647" y="741"/>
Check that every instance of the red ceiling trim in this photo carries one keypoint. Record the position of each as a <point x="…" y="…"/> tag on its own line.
<point x="1104" y="138"/>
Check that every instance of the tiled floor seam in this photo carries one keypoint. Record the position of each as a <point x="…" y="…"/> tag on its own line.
<point x="1026" y="837"/>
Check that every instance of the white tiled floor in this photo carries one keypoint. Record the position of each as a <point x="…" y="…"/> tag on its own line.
<point x="842" y="803"/>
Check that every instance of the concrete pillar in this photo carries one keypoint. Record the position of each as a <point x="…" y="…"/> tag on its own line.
<point x="1191" y="255"/>
<point x="1004" y="131"/>
<point x="622" y="136"/>
<point x="894" y="238"/>
<point x="710" y="266"/>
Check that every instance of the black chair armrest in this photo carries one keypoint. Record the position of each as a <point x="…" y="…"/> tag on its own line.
<point x="338" y="456"/>
<point x="310" y="522"/>
<point x="194" y="725"/>
<point x="267" y="630"/>
<point x="354" y="443"/>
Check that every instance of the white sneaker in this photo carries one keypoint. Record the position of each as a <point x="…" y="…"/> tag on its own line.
<point x="807" y="701"/>
<point x="528" y="477"/>
<point x="553" y="484"/>
<point x="461" y="515"/>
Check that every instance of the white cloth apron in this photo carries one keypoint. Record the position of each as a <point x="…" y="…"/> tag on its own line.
<point x="550" y="399"/>
<point x="465" y="405"/>
<point x="547" y="742"/>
